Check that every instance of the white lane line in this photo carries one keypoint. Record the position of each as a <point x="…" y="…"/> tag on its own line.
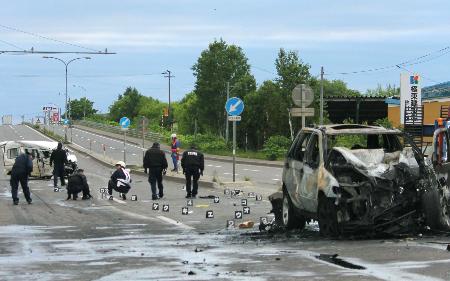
<point x="227" y="173"/>
<point x="209" y="165"/>
<point x="255" y="170"/>
<point x="111" y="147"/>
<point x="134" y="154"/>
<point x="174" y="222"/>
<point x="111" y="139"/>
<point x="119" y="201"/>
<point x="40" y="133"/>
<point x="275" y="179"/>
<point x="246" y="169"/>
<point x="218" y="166"/>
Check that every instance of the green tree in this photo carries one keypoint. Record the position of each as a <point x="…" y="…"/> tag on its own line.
<point x="291" y="71"/>
<point x="388" y="91"/>
<point x="127" y="105"/>
<point x="265" y="115"/>
<point x="81" y="108"/>
<point x="217" y="65"/>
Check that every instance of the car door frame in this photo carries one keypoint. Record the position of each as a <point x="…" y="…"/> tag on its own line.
<point x="293" y="169"/>
<point x="308" y="190"/>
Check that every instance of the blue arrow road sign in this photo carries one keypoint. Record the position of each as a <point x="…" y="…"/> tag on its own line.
<point x="66" y="121"/>
<point x="234" y="106"/>
<point x="124" y="122"/>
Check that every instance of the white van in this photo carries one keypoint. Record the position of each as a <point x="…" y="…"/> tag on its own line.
<point x="41" y="151"/>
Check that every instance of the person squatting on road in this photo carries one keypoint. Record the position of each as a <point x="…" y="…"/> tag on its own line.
<point x="156" y="163"/>
<point x="193" y="165"/>
<point x="22" y="168"/>
<point x="77" y="182"/>
<point x="175" y="149"/>
<point x="58" y="159"/>
<point x="120" y="180"/>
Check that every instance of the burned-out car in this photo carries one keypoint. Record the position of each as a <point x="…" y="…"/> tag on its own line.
<point x="357" y="178"/>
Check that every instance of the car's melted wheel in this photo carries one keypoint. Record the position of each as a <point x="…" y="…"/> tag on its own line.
<point x="327" y="216"/>
<point x="289" y="218"/>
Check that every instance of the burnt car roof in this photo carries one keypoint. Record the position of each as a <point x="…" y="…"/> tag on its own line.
<point x="339" y="129"/>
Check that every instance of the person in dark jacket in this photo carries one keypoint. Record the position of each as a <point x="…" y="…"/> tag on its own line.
<point x="22" y="168"/>
<point x="155" y="164"/>
<point x="193" y="165"/>
<point x="59" y="159"/>
<point x="77" y="182"/>
<point x="120" y="180"/>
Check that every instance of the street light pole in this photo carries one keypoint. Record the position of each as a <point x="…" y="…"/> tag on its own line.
<point x="66" y="64"/>
<point x="168" y="74"/>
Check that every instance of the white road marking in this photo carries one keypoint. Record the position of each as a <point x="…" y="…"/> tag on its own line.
<point x="134" y="154"/>
<point x="209" y="165"/>
<point x="218" y="166"/>
<point x="227" y="173"/>
<point x="255" y="170"/>
<point x="275" y="179"/>
<point x="174" y="222"/>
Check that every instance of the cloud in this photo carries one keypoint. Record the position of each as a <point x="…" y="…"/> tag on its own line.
<point x="199" y="35"/>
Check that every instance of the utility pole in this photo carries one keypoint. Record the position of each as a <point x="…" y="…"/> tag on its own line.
<point x="227" y="130"/>
<point x="321" y="95"/>
<point x="168" y="74"/>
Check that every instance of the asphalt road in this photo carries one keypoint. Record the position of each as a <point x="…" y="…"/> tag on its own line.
<point x="55" y="239"/>
<point x="262" y="175"/>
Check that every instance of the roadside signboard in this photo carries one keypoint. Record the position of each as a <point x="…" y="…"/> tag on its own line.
<point x="302" y="111"/>
<point x="234" y="118"/>
<point x="234" y="106"/>
<point x="302" y="95"/>
<point x="124" y="122"/>
<point x="410" y="95"/>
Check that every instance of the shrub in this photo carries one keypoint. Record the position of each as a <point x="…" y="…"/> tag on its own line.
<point x="276" y="147"/>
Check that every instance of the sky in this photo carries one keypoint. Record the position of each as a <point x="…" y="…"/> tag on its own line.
<point x="152" y="36"/>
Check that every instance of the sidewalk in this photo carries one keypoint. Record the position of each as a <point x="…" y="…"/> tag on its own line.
<point x="166" y="148"/>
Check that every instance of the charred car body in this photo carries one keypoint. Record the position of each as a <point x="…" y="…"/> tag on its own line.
<point x="356" y="178"/>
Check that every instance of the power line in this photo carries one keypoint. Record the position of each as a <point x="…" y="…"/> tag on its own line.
<point x="415" y="61"/>
<point x="421" y="75"/>
<point x="46" y="38"/>
<point x="11" y="44"/>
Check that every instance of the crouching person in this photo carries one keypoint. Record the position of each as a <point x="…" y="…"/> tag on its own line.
<point x="120" y="180"/>
<point x="77" y="183"/>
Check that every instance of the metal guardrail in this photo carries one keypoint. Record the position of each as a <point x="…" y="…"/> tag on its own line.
<point x="117" y="130"/>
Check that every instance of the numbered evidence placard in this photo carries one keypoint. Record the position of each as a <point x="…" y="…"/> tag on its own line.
<point x="165" y="208"/>
<point x="185" y="211"/>
<point x="230" y="224"/>
<point x="209" y="214"/>
<point x="56" y="189"/>
<point x="258" y="197"/>
<point x="190" y="202"/>
<point x="133" y="197"/>
<point x="238" y="215"/>
<point x="246" y="210"/>
<point x="216" y="199"/>
<point x="155" y="206"/>
<point x="243" y="202"/>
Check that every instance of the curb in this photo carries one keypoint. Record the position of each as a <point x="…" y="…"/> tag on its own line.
<point x="207" y="157"/>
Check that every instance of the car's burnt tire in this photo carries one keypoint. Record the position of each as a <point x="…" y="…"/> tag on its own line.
<point x="435" y="211"/>
<point x="289" y="219"/>
<point x="327" y="217"/>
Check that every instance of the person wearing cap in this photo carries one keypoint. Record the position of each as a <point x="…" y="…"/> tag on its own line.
<point x="120" y="180"/>
<point x="22" y="168"/>
<point x="77" y="182"/>
<point x="175" y="149"/>
<point x="58" y="159"/>
<point x="155" y="164"/>
<point x="193" y="165"/>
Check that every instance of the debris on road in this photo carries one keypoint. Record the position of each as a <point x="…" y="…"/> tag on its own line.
<point x="246" y="224"/>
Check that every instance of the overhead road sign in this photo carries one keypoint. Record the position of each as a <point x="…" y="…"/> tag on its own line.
<point x="234" y="106"/>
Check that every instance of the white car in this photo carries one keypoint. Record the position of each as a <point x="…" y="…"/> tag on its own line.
<point x="41" y="151"/>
